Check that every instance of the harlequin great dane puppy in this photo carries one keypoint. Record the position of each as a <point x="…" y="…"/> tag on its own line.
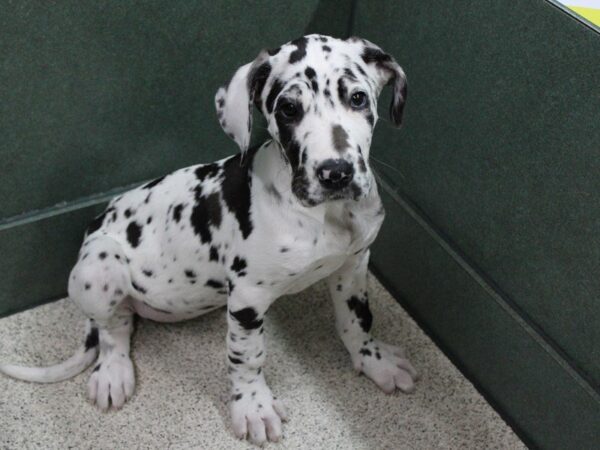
<point x="248" y="229"/>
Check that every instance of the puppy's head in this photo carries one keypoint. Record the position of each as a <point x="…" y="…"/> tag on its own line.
<point x="319" y="97"/>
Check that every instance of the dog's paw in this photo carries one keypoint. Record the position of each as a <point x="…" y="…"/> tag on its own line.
<point x="112" y="382"/>
<point x="256" y="414"/>
<point x="386" y="365"/>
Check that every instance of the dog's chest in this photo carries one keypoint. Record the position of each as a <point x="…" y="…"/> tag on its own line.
<point x="310" y="252"/>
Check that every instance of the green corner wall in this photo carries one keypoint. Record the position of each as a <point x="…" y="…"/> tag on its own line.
<point x="493" y="187"/>
<point x="491" y="240"/>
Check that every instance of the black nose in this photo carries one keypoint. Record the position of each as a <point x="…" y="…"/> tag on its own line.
<point x="335" y="173"/>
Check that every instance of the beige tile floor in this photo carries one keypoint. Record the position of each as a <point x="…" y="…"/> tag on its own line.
<point x="182" y="387"/>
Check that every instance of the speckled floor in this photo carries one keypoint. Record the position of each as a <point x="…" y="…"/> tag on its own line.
<point x="181" y="394"/>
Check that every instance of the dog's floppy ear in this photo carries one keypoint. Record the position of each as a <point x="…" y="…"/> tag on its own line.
<point x="389" y="72"/>
<point x="234" y="101"/>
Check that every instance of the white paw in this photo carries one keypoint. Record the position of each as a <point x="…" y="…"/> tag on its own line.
<point x="386" y="365"/>
<point x="112" y="382"/>
<point x="255" y="413"/>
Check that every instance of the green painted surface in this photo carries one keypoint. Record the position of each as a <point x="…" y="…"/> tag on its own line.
<point x="37" y="258"/>
<point x="501" y="148"/>
<point x="523" y="379"/>
<point x="100" y="94"/>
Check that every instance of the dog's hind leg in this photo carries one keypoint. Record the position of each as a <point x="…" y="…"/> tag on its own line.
<point x="99" y="284"/>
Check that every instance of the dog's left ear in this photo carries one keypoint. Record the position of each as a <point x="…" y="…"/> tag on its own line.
<point x="234" y="101"/>
<point x="389" y="72"/>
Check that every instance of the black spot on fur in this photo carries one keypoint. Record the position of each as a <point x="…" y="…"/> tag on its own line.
<point x="258" y="78"/>
<point x="206" y="213"/>
<point x="214" y="254"/>
<point x="348" y="72"/>
<point x="177" y="212"/>
<point x="300" y="52"/>
<point x="148" y="273"/>
<point x="236" y="189"/>
<point x="361" y="164"/>
<point x="92" y="340"/>
<point x="342" y="91"/>
<point x="128" y="213"/>
<point x="326" y="48"/>
<point x="374" y="55"/>
<point x="238" y="264"/>
<point x="312" y="76"/>
<point x="230" y="285"/>
<point x="360" y="69"/>
<point x="365" y="351"/>
<point x="134" y="232"/>
<point x="153" y="183"/>
<point x="97" y="368"/>
<point x="87" y="286"/>
<point x="273" y="51"/>
<point x="214" y="284"/>
<point x="102" y="255"/>
<point x="247" y="318"/>
<point x="190" y="273"/>
<point x="362" y="311"/>
<point x="234" y="360"/>
<point x="236" y="397"/>
<point x="273" y="93"/>
<point x="284" y="249"/>
<point x="340" y="138"/>
<point x="138" y="288"/>
<point x="206" y="171"/>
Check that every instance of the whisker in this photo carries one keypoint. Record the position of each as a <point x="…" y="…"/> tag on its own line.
<point x="388" y="166"/>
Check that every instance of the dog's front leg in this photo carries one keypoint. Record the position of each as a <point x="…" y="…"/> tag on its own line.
<point x="254" y="410"/>
<point x="385" y="364"/>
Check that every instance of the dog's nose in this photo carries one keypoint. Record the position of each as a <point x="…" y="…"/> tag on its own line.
<point x="335" y="173"/>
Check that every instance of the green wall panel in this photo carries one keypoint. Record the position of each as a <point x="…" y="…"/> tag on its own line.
<point x="550" y="405"/>
<point x="100" y="94"/>
<point x="37" y="257"/>
<point x="501" y="148"/>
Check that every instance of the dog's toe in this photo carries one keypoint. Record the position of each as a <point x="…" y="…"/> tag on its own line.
<point x="384" y="364"/>
<point x="257" y="415"/>
<point x="112" y="383"/>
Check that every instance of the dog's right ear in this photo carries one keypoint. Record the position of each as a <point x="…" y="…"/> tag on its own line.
<point x="234" y="101"/>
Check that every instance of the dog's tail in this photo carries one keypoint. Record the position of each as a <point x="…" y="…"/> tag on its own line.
<point x="76" y="364"/>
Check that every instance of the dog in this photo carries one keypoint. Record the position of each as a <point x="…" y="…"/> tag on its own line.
<point x="245" y="230"/>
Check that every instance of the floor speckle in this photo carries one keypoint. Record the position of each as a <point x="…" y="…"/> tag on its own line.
<point x="182" y="388"/>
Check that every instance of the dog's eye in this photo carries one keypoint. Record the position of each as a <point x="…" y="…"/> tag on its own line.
<point x="289" y="110"/>
<point x="358" y="100"/>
